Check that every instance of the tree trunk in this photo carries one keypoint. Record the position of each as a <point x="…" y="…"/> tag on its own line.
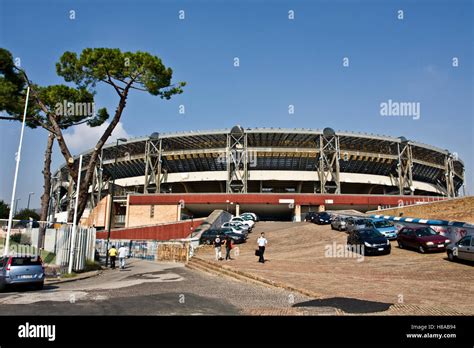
<point x="45" y="198"/>
<point x="87" y="180"/>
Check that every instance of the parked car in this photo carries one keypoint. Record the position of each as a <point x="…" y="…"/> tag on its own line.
<point x="386" y="228"/>
<point x="248" y="222"/>
<point x="234" y="229"/>
<point x="339" y="223"/>
<point x="310" y="216"/>
<point x="321" y="218"/>
<point x="421" y="238"/>
<point x="15" y="270"/>
<point x="208" y="236"/>
<point x="463" y="249"/>
<point x="373" y="242"/>
<point x="354" y="223"/>
<point x="244" y="227"/>
<point x="253" y="215"/>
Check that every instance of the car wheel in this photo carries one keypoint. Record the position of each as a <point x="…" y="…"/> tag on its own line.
<point x="421" y="249"/>
<point x="2" y="286"/>
<point x="400" y="245"/>
<point x="451" y="256"/>
<point x="340" y="229"/>
<point x="208" y="242"/>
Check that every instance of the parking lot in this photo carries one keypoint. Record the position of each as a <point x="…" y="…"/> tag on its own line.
<point x="299" y="255"/>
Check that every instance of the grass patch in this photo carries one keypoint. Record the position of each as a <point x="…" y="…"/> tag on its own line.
<point x="68" y="275"/>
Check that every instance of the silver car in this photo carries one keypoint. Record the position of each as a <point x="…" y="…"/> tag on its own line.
<point x="463" y="249"/>
<point x="21" y="270"/>
<point x="354" y="223"/>
<point x="339" y="223"/>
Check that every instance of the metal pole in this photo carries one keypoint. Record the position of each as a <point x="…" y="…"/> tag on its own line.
<point x="29" y="196"/>
<point x="16" y="203"/>
<point x="74" y="223"/>
<point x="18" y="155"/>
<point x="111" y="205"/>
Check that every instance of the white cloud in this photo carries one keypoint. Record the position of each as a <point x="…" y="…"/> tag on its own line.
<point x="83" y="137"/>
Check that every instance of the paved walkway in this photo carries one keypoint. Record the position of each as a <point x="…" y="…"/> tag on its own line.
<point x="408" y="282"/>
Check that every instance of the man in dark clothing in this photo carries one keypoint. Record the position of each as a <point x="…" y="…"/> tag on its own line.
<point x="228" y="248"/>
<point x="217" y="247"/>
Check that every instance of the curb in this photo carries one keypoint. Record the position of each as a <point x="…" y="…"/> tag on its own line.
<point x="67" y="280"/>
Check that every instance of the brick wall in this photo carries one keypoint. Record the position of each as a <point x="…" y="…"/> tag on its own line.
<point x="140" y="215"/>
<point x="158" y="232"/>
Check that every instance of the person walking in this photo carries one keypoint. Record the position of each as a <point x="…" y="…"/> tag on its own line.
<point x="262" y="242"/>
<point x="217" y="247"/>
<point x="113" y="256"/>
<point x="122" y="254"/>
<point x="228" y="247"/>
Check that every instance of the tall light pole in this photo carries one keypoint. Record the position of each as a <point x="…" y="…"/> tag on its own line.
<point x="74" y="223"/>
<point x="16" y="203"/>
<point x="18" y="156"/>
<point x="111" y="204"/>
<point x="29" y="196"/>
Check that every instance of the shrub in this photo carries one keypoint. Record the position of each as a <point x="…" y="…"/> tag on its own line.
<point x="19" y="238"/>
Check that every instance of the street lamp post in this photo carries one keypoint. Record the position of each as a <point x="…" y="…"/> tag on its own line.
<point x="29" y="196"/>
<point x="16" y="204"/>
<point x="111" y="205"/>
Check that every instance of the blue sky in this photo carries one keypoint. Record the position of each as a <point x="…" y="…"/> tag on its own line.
<point x="282" y="62"/>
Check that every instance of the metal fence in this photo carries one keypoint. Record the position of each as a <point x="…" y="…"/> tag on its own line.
<point x="57" y="241"/>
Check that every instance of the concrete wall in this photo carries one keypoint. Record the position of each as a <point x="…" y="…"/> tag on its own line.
<point x="140" y="215"/>
<point x="459" y="209"/>
<point x="99" y="216"/>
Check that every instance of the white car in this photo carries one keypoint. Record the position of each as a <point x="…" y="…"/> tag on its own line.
<point x="235" y="229"/>
<point x="249" y="223"/>
<point x="252" y="215"/>
<point x="237" y="225"/>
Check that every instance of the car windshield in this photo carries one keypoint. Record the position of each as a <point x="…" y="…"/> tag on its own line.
<point x="370" y="233"/>
<point x="324" y="215"/>
<point x="424" y="232"/>
<point x="383" y="223"/>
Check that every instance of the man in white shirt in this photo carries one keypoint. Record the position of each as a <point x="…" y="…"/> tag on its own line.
<point x="122" y="254"/>
<point x="262" y="242"/>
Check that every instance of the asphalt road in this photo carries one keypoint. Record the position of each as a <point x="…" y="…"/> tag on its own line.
<point x="149" y="288"/>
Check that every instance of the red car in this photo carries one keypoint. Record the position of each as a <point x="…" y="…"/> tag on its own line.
<point x="421" y="238"/>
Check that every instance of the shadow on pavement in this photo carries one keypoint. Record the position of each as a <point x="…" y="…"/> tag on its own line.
<point x="348" y="305"/>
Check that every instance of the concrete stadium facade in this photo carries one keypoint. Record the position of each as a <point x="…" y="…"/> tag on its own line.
<point x="270" y="161"/>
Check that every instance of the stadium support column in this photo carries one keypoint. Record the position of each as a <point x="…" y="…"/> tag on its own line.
<point x="153" y="151"/>
<point x="404" y="167"/>
<point x="327" y="164"/>
<point x="297" y="213"/>
<point x="449" y="175"/>
<point x="236" y="155"/>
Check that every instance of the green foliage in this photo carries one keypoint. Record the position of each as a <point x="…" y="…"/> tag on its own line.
<point x="13" y="93"/>
<point x="4" y="210"/>
<point x="141" y="70"/>
<point x="26" y="214"/>
<point x="12" y="87"/>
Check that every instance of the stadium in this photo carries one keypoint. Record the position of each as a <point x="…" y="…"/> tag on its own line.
<point x="273" y="171"/>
